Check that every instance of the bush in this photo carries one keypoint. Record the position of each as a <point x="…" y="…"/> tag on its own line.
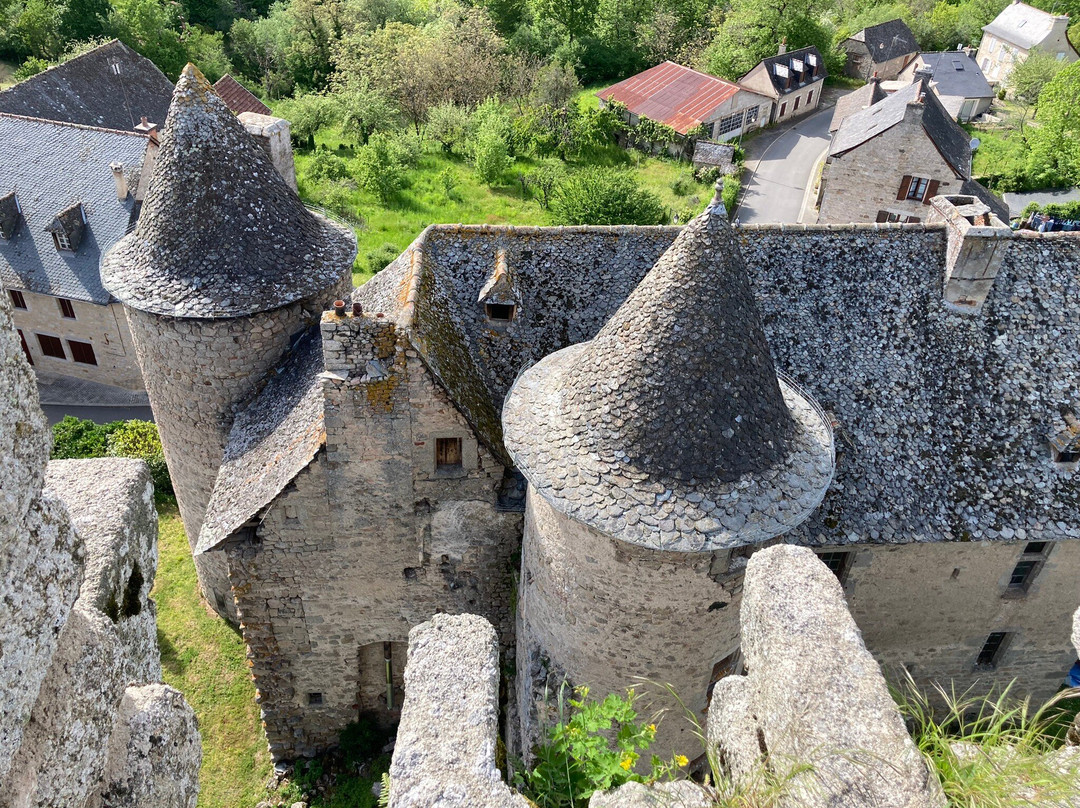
<point x="338" y="199"/>
<point x="31" y="67"/>
<point x="730" y="193"/>
<point x="140" y="439"/>
<point x="380" y="166"/>
<point x="682" y="185"/>
<point x="707" y="175"/>
<point x="326" y="166"/>
<point x="448" y="181"/>
<point x="75" y="438"/>
<point x="491" y="156"/>
<point x="449" y="125"/>
<point x="379" y="257"/>
<point x="604" y="196"/>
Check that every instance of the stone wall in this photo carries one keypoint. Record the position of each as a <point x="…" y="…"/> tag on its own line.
<point x="77" y="625"/>
<point x="861" y="182"/>
<point x="273" y="135"/>
<point x="104" y="327"/>
<point x="198" y="372"/>
<point x="368" y="541"/>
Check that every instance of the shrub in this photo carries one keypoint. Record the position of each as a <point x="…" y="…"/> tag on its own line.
<point x="730" y="193"/>
<point x="380" y="166"/>
<point x="448" y="181"/>
<point x="31" y="67"/>
<point x="382" y="255"/>
<point x="77" y="438"/>
<point x="707" y="174"/>
<point x="338" y="199"/>
<point x="491" y="156"/>
<point x="604" y="196"/>
<point x="140" y="439"/>
<point x="597" y="749"/>
<point x="449" y="125"/>
<point x="682" y="185"/>
<point x="326" y="166"/>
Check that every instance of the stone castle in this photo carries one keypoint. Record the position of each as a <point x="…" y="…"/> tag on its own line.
<point x="583" y="434"/>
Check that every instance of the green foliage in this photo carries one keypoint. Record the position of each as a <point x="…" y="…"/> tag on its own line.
<point x="1054" y="157"/>
<point x="490" y="155"/>
<point x="574" y="17"/>
<point x="325" y="165"/>
<point x="1027" y="79"/>
<point x="597" y="749"/>
<point x="153" y="29"/>
<point x="31" y="67"/>
<point x="140" y="439"/>
<point x="555" y="85"/>
<point x="682" y="185"/>
<point x="365" y="110"/>
<point x="449" y="125"/>
<point x="380" y="256"/>
<point x="542" y="181"/>
<point x="75" y="438"/>
<point x="448" y="181"/>
<point x="380" y="166"/>
<point x="309" y="113"/>
<point x="598" y="195"/>
<point x="730" y="193"/>
<point x="988" y="751"/>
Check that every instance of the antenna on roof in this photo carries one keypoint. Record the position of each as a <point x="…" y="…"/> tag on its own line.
<point x="975" y="143"/>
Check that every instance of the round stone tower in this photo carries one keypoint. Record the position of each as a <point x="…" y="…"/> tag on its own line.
<point x="657" y="455"/>
<point x="224" y="269"/>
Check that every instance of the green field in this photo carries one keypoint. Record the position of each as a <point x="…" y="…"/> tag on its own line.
<point x="204" y="658"/>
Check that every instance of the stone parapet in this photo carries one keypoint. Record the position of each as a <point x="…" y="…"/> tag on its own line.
<point x="974" y="253"/>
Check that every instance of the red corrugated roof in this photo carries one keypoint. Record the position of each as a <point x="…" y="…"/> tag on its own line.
<point x="672" y="94"/>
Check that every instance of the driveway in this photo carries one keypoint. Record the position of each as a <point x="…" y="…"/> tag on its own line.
<point x="779" y="166"/>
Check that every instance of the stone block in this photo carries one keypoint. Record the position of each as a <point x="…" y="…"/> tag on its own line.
<point x="681" y="794"/>
<point x="732" y="731"/>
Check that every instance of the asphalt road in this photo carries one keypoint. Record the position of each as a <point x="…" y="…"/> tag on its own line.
<point x="774" y="190"/>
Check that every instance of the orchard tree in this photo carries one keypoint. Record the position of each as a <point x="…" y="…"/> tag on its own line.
<point x="1054" y="156"/>
<point x="1027" y="79"/>
<point x="575" y="18"/>
<point x="597" y="195"/>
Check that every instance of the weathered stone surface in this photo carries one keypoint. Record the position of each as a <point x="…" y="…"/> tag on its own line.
<point x="660" y="795"/>
<point x="445" y="750"/>
<point x="818" y="694"/>
<point x="62" y="755"/>
<point x="111" y="502"/>
<point x="733" y="732"/>
<point x="154" y="752"/>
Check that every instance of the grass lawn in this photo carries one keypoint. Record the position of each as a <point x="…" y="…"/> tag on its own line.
<point x="7" y="74"/>
<point x="386" y="230"/>
<point x="204" y="658"/>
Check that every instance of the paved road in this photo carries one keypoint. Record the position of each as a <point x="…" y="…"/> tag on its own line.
<point x="99" y="415"/>
<point x="781" y="166"/>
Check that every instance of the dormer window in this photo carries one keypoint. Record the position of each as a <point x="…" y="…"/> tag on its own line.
<point x="500" y="312"/>
<point x="1065" y="444"/>
<point x="10" y="213"/>
<point x="499" y="297"/>
<point x="67" y="228"/>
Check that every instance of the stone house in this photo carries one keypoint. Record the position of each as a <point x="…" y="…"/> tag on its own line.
<point x="437" y="440"/>
<point x="866" y="96"/>
<point x="68" y="192"/>
<point x="956" y="80"/>
<point x="239" y="98"/>
<point x="881" y="50"/>
<point x="1015" y="32"/>
<point x="792" y="80"/>
<point x="685" y="99"/>
<point x="886" y="162"/>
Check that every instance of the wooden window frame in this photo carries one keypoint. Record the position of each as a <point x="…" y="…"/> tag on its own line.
<point x="67" y="309"/>
<point x="84" y="348"/>
<point x="18" y="300"/>
<point x="45" y="352"/>
<point x="783" y="109"/>
<point x="1027" y="568"/>
<point x="445" y="451"/>
<point x="62" y="242"/>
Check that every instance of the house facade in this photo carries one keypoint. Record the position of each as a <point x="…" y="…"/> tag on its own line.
<point x="792" y="80"/>
<point x="957" y="81"/>
<point x="686" y="99"/>
<point x="71" y="194"/>
<point x="1015" y="32"/>
<point x="882" y="50"/>
<point x="886" y="162"/>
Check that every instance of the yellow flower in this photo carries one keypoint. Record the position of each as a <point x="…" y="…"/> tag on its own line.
<point x="652" y="728"/>
<point x="627" y="762"/>
<point x="682" y="760"/>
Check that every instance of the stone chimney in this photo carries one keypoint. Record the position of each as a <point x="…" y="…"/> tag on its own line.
<point x="783" y="47"/>
<point x="974" y="250"/>
<point x="147" y="128"/>
<point x="120" y="178"/>
<point x="273" y="135"/>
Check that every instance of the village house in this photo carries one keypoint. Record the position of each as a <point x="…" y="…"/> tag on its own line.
<point x="792" y="80"/>
<point x="1015" y="32"/>
<point x="239" y="98"/>
<point x="886" y="162"/>
<point x="882" y="50"/>
<point x="956" y="80"/>
<point x="866" y="96"/>
<point x="686" y="99"/>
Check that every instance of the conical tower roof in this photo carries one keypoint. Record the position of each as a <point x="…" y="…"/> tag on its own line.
<point x="221" y="234"/>
<point x="671" y="428"/>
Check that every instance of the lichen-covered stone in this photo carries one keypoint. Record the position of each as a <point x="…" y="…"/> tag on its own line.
<point x="681" y="794"/>
<point x="831" y="729"/>
<point x="732" y="731"/>
<point x="445" y="749"/>
<point x="154" y="752"/>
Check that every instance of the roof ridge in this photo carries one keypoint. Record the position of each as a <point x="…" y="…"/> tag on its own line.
<point x="32" y="119"/>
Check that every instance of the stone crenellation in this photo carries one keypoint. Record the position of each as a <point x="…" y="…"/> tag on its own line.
<point x="84" y="720"/>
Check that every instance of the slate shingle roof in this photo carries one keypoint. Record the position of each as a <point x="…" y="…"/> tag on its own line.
<point x="271" y="441"/>
<point x="239" y="98"/>
<point x="645" y="431"/>
<point x="956" y="76"/>
<point x="221" y="234"/>
<point x="862" y="98"/>
<point x="787" y="76"/>
<point x="887" y="41"/>
<point x="110" y="86"/>
<point x="1022" y="25"/>
<point x="51" y="166"/>
<point x="675" y="95"/>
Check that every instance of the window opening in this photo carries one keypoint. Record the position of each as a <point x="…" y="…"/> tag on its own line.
<point x="992" y="649"/>
<point x="447" y="453"/>
<point x="783" y="109"/>
<point x="67" y="311"/>
<point x="1035" y="548"/>
<point x="730" y="665"/>
<point x="503" y="312"/>
<point x="314" y="699"/>
<point x="62" y="241"/>
<point x="729" y="123"/>
<point x="796" y="108"/>
<point x="838" y="562"/>
<point x="25" y="347"/>
<point x="917" y="188"/>
<point x="51" y="346"/>
<point x="82" y="352"/>
<point x="17" y="299"/>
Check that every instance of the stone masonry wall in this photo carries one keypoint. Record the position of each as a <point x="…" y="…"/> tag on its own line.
<point x="198" y="372"/>
<point x="77" y="625"/>
<point x="866" y="179"/>
<point x="368" y="541"/>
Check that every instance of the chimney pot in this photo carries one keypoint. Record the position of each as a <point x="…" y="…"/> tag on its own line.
<point x="783" y="47"/>
<point x="357" y="309"/>
<point x="339" y="308"/>
<point x="120" y="178"/>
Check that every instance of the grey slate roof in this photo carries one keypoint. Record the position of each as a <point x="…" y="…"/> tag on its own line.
<point x="952" y="141"/>
<point x="862" y="98"/>
<point x="646" y="430"/>
<point x="888" y="40"/>
<point x="813" y="69"/>
<point x="271" y="441"/>
<point x="51" y="166"/>
<point x="88" y="90"/>
<point x="221" y="234"/>
<point x="1022" y="25"/>
<point x="956" y="77"/>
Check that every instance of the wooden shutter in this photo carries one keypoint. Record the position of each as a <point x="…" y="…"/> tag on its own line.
<point x="882" y="216"/>
<point x="447" y="452"/>
<point x="931" y="190"/>
<point x="905" y="183"/>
